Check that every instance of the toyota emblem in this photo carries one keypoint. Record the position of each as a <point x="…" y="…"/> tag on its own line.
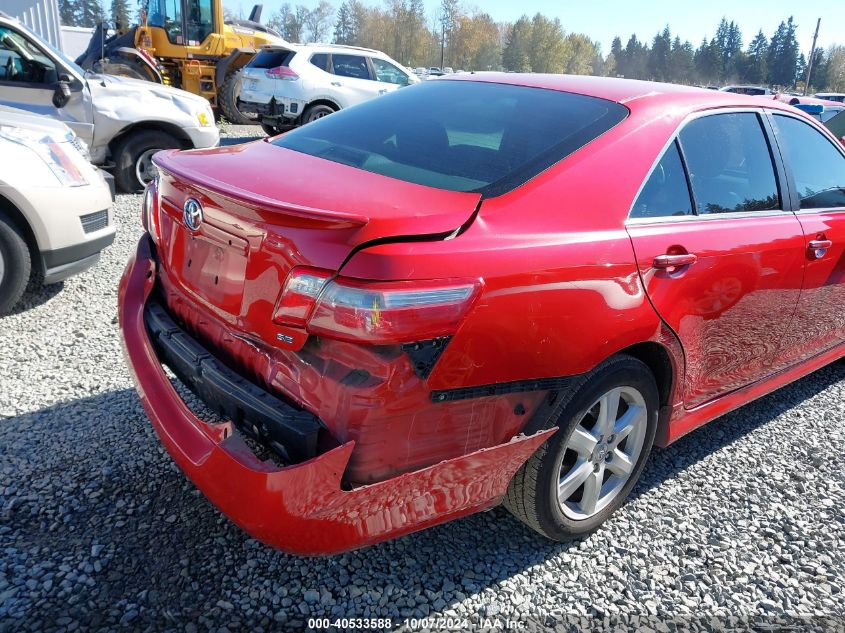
<point x="192" y="213"/>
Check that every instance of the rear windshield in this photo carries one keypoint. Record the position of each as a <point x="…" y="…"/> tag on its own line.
<point x="459" y="135"/>
<point x="271" y="58"/>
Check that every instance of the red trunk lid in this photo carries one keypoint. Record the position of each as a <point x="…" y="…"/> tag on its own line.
<point x="267" y="209"/>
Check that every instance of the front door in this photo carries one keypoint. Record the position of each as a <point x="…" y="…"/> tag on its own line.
<point x="29" y="76"/>
<point x="720" y="259"/>
<point x="352" y="82"/>
<point x="816" y="168"/>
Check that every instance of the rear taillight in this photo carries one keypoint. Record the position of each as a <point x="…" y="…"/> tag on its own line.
<point x="281" y="72"/>
<point x="299" y="295"/>
<point x="379" y="313"/>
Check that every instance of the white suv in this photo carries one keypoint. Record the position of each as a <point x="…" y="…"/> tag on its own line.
<point x="296" y="84"/>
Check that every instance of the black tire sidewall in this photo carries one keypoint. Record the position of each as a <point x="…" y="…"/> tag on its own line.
<point x="626" y="372"/>
<point x="308" y="116"/>
<point x="17" y="265"/>
<point x="131" y="148"/>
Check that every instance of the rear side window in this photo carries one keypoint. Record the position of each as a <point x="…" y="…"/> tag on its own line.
<point x="353" y="66"/>
<point x="320" y="60"/>
<point x="271" y="58"/>
<point x="817" y="166"/>
<point x="459" y="135"/>
<point x="730" y="164"/>
<point x="666" y="193"/>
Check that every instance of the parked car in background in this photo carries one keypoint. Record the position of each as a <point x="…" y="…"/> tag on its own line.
<point x="54" y="205"/>
<point x="836" y="125"/>
<point x="754" y="91"/>
<point x="820" y="109"/>
<point x="297" y="84"/>
<point x="831" y="96"/>
<point x="123" y="121"/>
<point x="435" y="71"/>
<point x="448" y="70"/>
<point x="441" y="303"/>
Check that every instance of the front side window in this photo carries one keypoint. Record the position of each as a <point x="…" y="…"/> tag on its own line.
<point x="353" y="66"/>
<point x="388" y="73"/>
<point x="167" y="15"/>
<point x="459" y="135"/>
<point x="818" y="167"/>
<point x="666" y="193"/>
<point x="730" y="164"/>
<point x="22" y="61"/>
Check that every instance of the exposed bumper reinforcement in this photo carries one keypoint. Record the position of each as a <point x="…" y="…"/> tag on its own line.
<point x="301" y="508"/>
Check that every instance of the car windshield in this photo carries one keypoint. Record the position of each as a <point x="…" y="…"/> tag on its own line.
<point x="459" y="135"/>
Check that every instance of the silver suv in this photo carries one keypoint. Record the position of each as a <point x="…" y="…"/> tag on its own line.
<point x="123" y="121"/>
<point x="295" y="84"/>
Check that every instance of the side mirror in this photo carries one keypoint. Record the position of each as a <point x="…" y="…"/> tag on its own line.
<point x="62" y="93"/>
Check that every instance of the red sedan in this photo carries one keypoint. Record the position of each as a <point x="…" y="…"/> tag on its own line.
<point x="486" y="289"/>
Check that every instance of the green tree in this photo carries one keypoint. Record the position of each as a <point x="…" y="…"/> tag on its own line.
<point x="708" y="62"/>
<point x="345" y="28"/>
<point x="90" y="13"/>
<point x="68" y="10"/>
<point x="782" y="59"/>
<point x="515" y="53"/>
<point x="681" y="62"/>
<point x="756" y="66"/>
<point x="658" y="58"/>
<point x="120" y="13"/>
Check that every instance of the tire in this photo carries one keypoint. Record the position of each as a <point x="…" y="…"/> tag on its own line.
<point x="15" y="264"/>
<point x="270" y="130"/>
<point x="314" y="112"/>
<point x="227" y="100"/>
<point x="139" y="147"/>
<point x="532" y="496"/>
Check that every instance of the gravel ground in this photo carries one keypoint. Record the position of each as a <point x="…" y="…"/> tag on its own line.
<point x="739" y="523"/>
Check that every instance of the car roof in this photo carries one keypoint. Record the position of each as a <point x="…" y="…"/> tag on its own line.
<point x="633" y="93"/>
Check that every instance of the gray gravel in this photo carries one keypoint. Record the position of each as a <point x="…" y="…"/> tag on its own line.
<point x="739" y="523"/>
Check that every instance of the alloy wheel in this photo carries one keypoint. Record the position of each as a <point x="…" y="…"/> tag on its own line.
<point x="601" y="452"/>
<point x="145" y="169"/>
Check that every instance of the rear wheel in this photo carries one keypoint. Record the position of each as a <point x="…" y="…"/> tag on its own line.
<point x="227" y="99"/>
<point x="270" y="130"/>
<point x="314" y="112"/>
<point x="15" y="264"/>
<point x="133" y="158"/>
<point x="577" y="479"/>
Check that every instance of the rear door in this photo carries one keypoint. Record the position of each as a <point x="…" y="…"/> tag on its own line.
<point x="816" y="172"/>
<point x="721" y="260"/>
<point x="353" y="79"/>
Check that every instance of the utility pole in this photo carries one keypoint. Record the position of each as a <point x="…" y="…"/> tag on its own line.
<point x="442" y="41"/>
<point x="812" y="58"/>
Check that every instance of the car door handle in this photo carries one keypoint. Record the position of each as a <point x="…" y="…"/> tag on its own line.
<point x="337" y="83"/>
<point x="674" y="261"/>
<point x="383" y="91"/>
<point x="818" y="248"/>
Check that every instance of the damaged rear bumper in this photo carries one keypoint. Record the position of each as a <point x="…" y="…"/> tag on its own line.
<point x="301" y="508"/>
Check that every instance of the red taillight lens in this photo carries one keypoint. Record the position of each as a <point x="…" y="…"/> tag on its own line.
<point x="391" y="312"/>
<point x="302" y="287"/>
<point x="281" y="72"/>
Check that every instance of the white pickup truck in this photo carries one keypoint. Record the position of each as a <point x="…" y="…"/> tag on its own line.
<point x="123" y="121"/>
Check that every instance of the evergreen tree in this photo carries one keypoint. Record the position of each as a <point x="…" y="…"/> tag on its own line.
<point x="90" y="13"/>
<point x="68" y="11"/>
<point x="617" y="53"/>
<point x="347" y="26"/>
<point x="515" y="53"/>
<point x="821" y="70"/>
<point x="658" y="58"/>
<point x="755" y="70"/>
<point x="120" y="14"/>
<point x="636" y="59"/>
<point x="681" y="62"/>
<point x="708" y="61"/>
<point x="782" y="59"/>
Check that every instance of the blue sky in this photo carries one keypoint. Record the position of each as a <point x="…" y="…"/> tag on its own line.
<point x="602" y="19"/>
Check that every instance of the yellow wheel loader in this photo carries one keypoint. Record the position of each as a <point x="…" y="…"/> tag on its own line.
<point x="185" y="44"/>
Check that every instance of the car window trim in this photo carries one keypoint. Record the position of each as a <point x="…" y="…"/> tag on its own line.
<point x="775" y="157"/>
<point x="795" y="197"/>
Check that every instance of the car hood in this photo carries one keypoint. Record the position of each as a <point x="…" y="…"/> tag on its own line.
<point x="21" y="118"/>
<point x="131" y="99"/>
